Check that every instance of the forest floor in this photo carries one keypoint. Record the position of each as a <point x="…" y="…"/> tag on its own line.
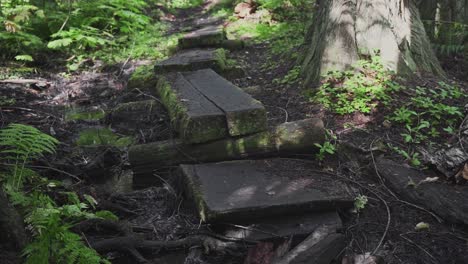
<point x="55" y="102"/>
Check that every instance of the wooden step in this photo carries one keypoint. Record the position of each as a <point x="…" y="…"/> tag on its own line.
<point x="280" y="227"/>
<point x="240" y="190"/>
<point x="193" y="116"/>
<point x="191" y="60"/>
<point x="209" y="36"/>
<point x="244" y="114"/>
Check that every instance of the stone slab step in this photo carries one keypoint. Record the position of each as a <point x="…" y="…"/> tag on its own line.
<point x="193" y="116"/>
<point x="191" y="60"/>
<point x="244" y="114"/>
<point x="240" y="190"/>
<point x="280" y="227"/>
<point x="209" y="36"/>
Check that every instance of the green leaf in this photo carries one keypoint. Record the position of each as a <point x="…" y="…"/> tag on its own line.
<point x="59" y="43"/>
<point x="24" y="58"/>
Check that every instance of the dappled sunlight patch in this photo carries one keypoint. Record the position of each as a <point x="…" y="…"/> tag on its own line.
<point x="242" y="195"/>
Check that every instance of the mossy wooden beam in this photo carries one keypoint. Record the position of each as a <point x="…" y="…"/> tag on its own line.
<point x="244" y="114"/>
<point x="194" y="117"/>
<point x="191" y="60"/>
<point x="286" y="139"/>
<point x="210" y="36"/>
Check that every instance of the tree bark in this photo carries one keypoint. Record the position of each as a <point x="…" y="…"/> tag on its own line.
<point x="345" y="31"/>
<point x="428" y="10"/>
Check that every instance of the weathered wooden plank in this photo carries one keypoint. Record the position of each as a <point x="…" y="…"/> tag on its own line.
<point x="190" y="60"/>
<point x="321" y="247"/>
<point x="210" y="36"/>
<point x="244" y="114"/>
<point x="239" y="190"/>
<point x="194" y="117"/>
<point x="277" y="227"/>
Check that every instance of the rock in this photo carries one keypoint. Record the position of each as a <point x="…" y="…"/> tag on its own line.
<point x="240" y="190"/>
<point x="191" y="60"/>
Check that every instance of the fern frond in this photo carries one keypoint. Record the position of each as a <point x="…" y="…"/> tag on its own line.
<point x="25" y="142"/>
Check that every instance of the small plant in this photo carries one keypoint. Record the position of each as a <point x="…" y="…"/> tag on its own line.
<point x="327" y="148"/>
<point x="360" y="203"/>
<point x="427" y="114"/>
<point x="411" y="157"/>
<point x="346" y="92"/>
<point x="23" y="143"/>
<point x="291" y="77"/>
<point x="49" y="222"/>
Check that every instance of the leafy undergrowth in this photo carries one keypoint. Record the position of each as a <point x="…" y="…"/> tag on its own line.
<point x="49" y="218"/>
<point x="79" y="31"/>
<point x="417" y="115"/>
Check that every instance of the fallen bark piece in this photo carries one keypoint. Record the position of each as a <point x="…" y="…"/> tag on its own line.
<point x="194" y="117"/>
<point x="293" y="225"/>
<point x="448" y="201"/>
<point x="366" y="258"/>
<point x="252" y="189"/>
<point x="244" y="114"/>
<point x="321" y="247"/>
<point x="191" y="60"/>
<point x="286" y="139"/>
<point x="210" y="36"/>
<point x="453" y="160"/>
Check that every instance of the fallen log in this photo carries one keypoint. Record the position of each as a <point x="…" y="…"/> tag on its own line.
<point x="288" y="138"/>
<point x="446" y="200"/>
<point x="453" y="160"/>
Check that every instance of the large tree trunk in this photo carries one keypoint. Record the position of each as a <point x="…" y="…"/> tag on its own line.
<point x="343" y="31"/>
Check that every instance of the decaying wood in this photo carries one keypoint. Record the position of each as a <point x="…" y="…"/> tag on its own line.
<point x="453" y="161"/>
<point x="288" y="138"/>
<point x="446" y="200"/>
<point x="321" y="247"/>
<point x="24" y="81"/>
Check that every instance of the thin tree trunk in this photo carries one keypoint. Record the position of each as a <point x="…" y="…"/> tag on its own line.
<point x="428" y="10"/>
<point x="345" y="31"/>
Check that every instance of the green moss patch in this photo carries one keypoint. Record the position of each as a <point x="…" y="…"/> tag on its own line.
<point x="93" y="115"/>
<point x="142" y="77"/>
<point x="102" y="136"/>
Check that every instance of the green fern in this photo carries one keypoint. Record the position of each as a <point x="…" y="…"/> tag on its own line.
<point x="22" y="143"/>
<point x="53" y="241"/>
